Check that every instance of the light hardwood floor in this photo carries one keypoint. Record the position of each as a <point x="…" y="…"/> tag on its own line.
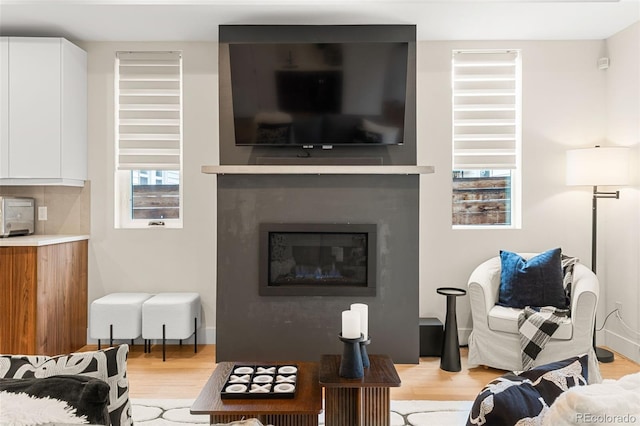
<point x="184" y="374"/>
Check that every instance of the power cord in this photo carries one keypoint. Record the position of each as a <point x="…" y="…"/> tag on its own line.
<point x="624" y="324"/>
<point x="606" y="318"/>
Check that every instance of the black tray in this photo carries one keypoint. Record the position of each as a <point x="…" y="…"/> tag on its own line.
<point x="268" y="381"/>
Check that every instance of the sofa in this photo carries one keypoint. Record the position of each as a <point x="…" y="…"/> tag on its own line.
<point x="56" y="399"/>
<point x="92" y="385"/>
<point x="496" y="326"/>
<point x="557" y="394"/>
<point x="606" y="403"/>
<point x="85" y="387"/>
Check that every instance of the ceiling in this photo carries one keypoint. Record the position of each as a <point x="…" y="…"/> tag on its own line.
<point x="198" y="20"/>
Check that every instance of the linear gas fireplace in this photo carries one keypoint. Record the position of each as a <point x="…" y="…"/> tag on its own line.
<point x="317" y="259"/>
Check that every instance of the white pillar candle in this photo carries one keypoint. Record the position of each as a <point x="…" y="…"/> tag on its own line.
<point x="363" y="310"/>
<point x="350" y="324"/>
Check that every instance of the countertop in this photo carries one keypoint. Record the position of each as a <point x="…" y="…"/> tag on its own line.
<point x="40" y="240"/>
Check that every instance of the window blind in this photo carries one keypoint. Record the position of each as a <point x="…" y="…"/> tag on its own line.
<point x="486" y="105"/>
<point x="149" y="123"/>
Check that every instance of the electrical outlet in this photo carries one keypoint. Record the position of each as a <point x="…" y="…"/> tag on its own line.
<point x="619" y="306"/>
<point x="42" y="213"/>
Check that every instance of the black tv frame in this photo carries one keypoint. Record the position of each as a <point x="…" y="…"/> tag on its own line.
<point x="230" y="153"/>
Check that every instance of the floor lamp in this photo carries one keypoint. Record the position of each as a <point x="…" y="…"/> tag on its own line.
<point x="594" y="167"/>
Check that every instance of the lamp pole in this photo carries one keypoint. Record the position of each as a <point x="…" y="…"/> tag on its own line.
<point x="602" y="354"/>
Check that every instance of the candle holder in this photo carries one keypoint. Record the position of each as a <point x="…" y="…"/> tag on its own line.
<point x="351" y="363"/>
<point x="363" y="352"/>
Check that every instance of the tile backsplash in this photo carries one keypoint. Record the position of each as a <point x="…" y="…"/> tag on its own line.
<point x="68" y="208"/>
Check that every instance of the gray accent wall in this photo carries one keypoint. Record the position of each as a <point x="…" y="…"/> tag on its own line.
<point x="251" y="327"/>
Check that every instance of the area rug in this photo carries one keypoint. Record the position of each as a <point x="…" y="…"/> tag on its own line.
<point x="175" y="412"/>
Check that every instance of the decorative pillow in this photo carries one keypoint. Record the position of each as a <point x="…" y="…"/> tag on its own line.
<point x="533" y="282"/>
<point x="88" y="396"/>
<point x="109" y="365"/>
<point x="523" y="399"/>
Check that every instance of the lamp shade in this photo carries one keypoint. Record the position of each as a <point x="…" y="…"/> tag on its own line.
<point x="598" y="166"/>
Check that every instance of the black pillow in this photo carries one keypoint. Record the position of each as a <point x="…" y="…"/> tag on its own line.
<point x="89" y="396"/>
<point x="514" y="397"/>
<point x="534" y="282"/>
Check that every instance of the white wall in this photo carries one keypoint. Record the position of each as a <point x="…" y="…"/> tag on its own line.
<point x="565" y="105"/>
<point x="156" y="260"/>
<point x="620" y="219"/>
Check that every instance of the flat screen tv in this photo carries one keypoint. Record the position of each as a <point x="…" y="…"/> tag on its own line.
<point x="318" y="94"/>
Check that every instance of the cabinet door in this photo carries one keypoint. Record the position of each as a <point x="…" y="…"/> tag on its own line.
<point x="4" y="107"/>
<point x="18" y="312"/>
<point x="34" y="107"/>
<point x="62" y="298"/>
<point x="74" y="112"/>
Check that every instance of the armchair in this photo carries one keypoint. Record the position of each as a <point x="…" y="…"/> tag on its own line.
<point x="495" y="341"/>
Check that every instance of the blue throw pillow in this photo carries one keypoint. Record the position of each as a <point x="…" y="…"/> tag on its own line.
<point x="535" y="282"/>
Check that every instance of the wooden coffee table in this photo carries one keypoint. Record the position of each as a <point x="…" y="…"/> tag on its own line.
<point x="362" y="402"/>
<point x="302" y="410"/>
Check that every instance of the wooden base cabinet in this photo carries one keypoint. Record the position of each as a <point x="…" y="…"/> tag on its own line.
<point x="43" y="298"/>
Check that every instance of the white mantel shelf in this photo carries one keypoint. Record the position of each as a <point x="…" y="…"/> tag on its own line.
<point x="317" y="170"/>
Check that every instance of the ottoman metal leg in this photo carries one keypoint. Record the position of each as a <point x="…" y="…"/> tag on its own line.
<point x="164" y="338"/>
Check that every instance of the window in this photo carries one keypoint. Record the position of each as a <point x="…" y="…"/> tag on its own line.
<point x="148" y="184"/>
<point x="486" y="100"/>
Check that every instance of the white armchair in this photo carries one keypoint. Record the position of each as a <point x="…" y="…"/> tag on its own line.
<point x="494" y="340"/>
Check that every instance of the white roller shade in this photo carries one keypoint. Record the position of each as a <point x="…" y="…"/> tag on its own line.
<point x="149" y="123"/>
<point x="486" y="99"/>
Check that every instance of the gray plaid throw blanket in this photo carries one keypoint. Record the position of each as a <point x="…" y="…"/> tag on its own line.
<point x="537" y="325"/>
<point x="567" y="269"/>
<point x="536" y="328"/>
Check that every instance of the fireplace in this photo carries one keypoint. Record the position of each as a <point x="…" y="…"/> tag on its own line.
<point x="317" y="259"/>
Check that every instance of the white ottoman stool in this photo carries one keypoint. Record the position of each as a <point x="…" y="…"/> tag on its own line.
<point x="171" y="316"/>
<point x="117" y="316"/>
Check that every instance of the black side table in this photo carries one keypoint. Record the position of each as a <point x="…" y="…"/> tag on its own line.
<point x="450" y="358"/>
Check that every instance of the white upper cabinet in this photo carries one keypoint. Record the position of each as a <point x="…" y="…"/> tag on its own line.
<point x="43" y="112"/>
<point x="4" y="107"/>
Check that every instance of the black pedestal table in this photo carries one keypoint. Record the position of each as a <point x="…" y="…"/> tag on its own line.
<point x="450" y="358"/>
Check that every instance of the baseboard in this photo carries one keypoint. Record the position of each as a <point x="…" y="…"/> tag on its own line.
<point x="463" y="336"/>
<point x="623" y="345"/>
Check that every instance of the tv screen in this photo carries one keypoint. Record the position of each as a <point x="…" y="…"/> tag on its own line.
<point x="318" y="94"/>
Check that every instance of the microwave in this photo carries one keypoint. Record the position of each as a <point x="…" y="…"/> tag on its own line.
<point x="17" y="216"/>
